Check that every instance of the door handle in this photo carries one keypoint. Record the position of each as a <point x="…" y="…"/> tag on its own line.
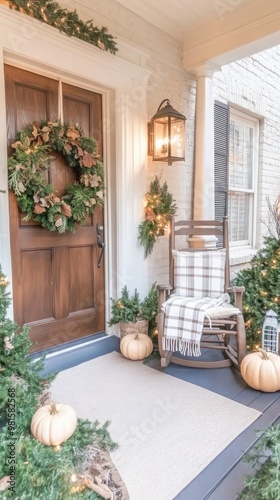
<point x="100" y="243"/>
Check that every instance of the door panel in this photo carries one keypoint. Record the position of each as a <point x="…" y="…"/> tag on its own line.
<point x="55" y="276"/>
<point x="37" y="293"/>
<point x="88" y="106"/>
<point x="80" y="280"/>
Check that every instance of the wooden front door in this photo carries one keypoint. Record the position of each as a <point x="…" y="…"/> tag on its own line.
<point x="58" y="289"/>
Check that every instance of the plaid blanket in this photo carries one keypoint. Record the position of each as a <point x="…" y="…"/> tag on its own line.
<point x="183" y="322"/>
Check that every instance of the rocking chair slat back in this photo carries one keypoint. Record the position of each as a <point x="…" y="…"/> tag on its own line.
<point x="198" y="228"/>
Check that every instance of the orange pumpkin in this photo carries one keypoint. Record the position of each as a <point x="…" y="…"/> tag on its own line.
<point x="261" y="370"/>
<point x="136" y="346"/>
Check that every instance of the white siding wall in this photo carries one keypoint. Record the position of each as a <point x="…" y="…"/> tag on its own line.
<point x="167" y="80"/>
<point x="251" y="84"/>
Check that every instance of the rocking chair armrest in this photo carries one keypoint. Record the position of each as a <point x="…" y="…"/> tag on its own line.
<point x="163" y="291"/>
<point x="165" y="286"/>
<point x="236" y="289"/>
<point x="238" y="294"/>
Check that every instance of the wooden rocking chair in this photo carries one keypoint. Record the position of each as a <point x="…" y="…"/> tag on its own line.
<point x="223" y="328"/>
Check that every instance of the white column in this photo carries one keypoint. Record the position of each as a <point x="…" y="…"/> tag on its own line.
<point x="204" y="187"/>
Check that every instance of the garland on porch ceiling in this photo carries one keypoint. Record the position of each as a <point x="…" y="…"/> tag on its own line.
<point x="159" y="209"/>
<point x="68" y="22"/>
<point x="31" y="159"/>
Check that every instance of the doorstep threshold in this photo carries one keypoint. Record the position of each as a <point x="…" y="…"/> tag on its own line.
<point x="70" y="346"/>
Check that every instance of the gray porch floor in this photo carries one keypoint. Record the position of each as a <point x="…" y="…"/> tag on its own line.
<point x="223" y="478"/>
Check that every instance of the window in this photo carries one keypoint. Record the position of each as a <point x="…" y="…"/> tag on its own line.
<point x="242" y="176"/>
<point x="236" y="167"/>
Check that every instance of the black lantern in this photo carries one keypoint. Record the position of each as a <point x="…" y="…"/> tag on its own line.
<point x="166" y="134"/>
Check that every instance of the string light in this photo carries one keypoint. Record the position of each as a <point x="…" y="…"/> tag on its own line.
<point x="67" y="22"/>
<point x="79" y="486"/>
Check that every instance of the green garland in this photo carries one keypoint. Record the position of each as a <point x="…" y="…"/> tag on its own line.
<point x="51" y="13"/>
<point x="160" y="207"/>
<point x="32" y="157"/>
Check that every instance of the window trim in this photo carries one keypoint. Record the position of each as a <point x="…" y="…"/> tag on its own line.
<point x="246" y="118"/>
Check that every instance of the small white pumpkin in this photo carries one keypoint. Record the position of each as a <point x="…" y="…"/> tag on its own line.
<point x="136" y="346"/>
<point x="261" y="370"/>
<point x="53" y="424"/>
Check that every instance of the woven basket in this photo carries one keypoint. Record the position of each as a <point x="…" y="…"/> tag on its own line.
<point x="138" y="327"/>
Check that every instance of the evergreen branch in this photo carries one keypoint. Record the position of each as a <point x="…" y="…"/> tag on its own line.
<point x="265" y="458"/>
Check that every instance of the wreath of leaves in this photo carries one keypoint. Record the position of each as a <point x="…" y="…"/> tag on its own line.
<point x="28" y="168"/>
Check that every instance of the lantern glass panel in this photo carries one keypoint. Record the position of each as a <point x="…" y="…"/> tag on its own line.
<point x="270" y="339"/>
<point x="270" y="332"/>
<point x="177" y="138"/>
<point x="161" y="138"/>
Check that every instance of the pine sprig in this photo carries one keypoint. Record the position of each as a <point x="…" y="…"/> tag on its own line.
<point x="67" y="22"/>
<point x="265" y="458"/>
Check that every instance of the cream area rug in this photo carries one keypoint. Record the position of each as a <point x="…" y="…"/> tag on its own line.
<point x="168" y="430"/>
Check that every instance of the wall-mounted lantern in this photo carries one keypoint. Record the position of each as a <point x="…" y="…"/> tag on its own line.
<point x="270" y="332"/>
<point x="166" y="134"/>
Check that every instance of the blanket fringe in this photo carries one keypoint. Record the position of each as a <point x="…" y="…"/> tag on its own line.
<point x="185" y="347"/>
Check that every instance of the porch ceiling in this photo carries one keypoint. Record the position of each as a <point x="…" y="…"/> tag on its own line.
<point x="219" y="31"/>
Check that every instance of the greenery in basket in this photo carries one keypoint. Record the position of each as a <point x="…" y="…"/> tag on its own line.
<point x="160" y="207"/>
<point x="130" y="308"/>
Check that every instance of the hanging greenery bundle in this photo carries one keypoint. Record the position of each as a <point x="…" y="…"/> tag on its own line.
<point x="31" y="158"/>
<point x="67" y="22"/>
<point x="160" y="207"/>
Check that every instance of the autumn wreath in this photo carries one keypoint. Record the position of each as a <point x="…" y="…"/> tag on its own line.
<point x="32" y="157"/>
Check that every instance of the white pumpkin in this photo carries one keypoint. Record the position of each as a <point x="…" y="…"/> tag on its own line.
<point x="261" y="370"/>
<point x="53" y="424"/>
<point x="136" y="346"/>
